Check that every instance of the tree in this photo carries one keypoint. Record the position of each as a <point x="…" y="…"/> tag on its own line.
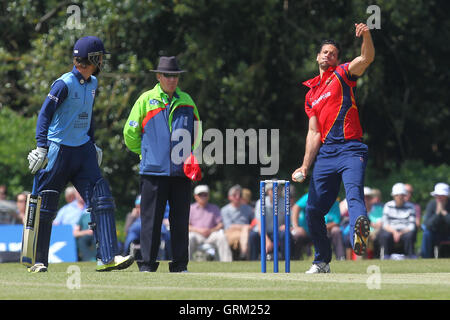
<point x="246" y="62"/>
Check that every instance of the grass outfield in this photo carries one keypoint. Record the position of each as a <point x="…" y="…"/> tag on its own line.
<point x="406" y="279"/>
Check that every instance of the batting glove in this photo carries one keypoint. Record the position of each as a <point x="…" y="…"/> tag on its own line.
<point x="37" y="159"/>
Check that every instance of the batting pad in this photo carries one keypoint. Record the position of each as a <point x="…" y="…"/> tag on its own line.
<point x="103" y="222"/>
<point x="49" y="207"/>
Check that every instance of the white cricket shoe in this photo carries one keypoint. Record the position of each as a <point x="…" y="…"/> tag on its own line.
<point x="38" y="267"/>
<point x="320" y="267"/>
<point x="118" y="263"/>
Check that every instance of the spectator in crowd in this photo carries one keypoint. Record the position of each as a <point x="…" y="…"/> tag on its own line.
<point x="299" y="230"/>
<point x="436" y="223"/>
<point x="333" y="221"/>
<point x="133" y="233"/>
<point x="8" y="208"/>
<point x="375" y="213"/>
<point x="247" y="197"/>
<point x="133" y="226"/>
<point x="13" y="212"/>
<point x="236" y="219"/>
<point x="255" y="235"/>
<point x="84" y="237"/>
<point x="206" y="227"/>
<point x="165" y="248"/>
<point x="408" y="198"/>
<point x="345" y="228"/>
<point x="71" y="212"/>
<point x="3" y="192"/>
<point x="399" y="223"/>
<point x="21" y="202"/>
<point x="377" y="198"/>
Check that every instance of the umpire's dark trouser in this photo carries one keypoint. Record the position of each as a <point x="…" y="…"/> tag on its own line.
<point x="155" y="192"/>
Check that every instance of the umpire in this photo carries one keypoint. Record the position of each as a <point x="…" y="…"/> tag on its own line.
<point x="161" y="129"/>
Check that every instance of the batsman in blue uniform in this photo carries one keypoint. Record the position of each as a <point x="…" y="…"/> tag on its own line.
<point x="66" y="152"/>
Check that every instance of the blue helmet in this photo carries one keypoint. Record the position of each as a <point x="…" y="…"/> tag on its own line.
<point x="90" y="48"/>
<point x="88" y="45"/>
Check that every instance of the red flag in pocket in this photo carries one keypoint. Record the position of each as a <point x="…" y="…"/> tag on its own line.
<point x="192" y="169"/>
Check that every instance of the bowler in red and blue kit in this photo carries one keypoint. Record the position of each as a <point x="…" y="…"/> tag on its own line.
<point x="334" y="145"/>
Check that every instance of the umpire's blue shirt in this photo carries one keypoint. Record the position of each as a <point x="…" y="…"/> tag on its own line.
<point x="66" y="114"/>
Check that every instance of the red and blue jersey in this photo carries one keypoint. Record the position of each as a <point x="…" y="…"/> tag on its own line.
<point x="331" y="99"/>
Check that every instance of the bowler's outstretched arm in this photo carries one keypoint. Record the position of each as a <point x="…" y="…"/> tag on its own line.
<point x="360" y="63"/>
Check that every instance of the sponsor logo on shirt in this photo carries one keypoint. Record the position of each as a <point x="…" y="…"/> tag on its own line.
<point x="83" y="116"/>
<point x="133" y="124"/>
<point x="323" y="96"/>
<point x="52" y="97"/>
<point x="82" y="121"/>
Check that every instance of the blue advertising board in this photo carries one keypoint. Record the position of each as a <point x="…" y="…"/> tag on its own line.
<point x="63" y="247"/>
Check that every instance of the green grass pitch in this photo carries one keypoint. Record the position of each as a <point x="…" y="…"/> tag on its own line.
<point x="354" y="280"/>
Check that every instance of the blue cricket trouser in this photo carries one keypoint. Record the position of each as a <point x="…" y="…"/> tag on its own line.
<point x="71" y="164"/>
<point x="344" y="162"/>
<point x="65" y="164"/>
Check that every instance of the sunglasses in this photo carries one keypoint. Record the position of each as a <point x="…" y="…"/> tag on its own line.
<point x="203" y="194"/>
<point x="171" y="75"/>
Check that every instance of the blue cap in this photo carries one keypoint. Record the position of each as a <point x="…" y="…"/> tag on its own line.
<point x="87" y="45"/>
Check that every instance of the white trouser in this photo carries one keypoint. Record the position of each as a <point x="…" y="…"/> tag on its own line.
<point x="217" y="239"/>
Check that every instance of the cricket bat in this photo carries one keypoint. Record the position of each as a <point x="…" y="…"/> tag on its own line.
<point x="30" y="227"/>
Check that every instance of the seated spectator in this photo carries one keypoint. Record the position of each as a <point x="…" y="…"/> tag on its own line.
<point x="165" y="249"/>
<point x="21" y="202"/>
<point x="236" y="218"/>
<point x="71" y="212"/>
<point x="206" y="227"/>
<point x="8" y="209"/>
<point x="133" y="233"/>
<point x="410" y="191"/>
<point x="84" y="238"/>
<point x="345" y="229"/>
<point x="375" y="213"/>
<point x="133" y="226"/>
<point x="333" y="222"/>
<point x="3" y="192"/>
<point x="377" y="198"/>
<point x="436" y="223"/>
<point x="399" y="223"/>
<point x="247" y="197"/>
<point x="255" y="234"/>
<point x="334" y="232"/>
<point x="300" y="232"/>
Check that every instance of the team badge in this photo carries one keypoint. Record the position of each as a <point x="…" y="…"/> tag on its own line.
<point x="133" y="124"/>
